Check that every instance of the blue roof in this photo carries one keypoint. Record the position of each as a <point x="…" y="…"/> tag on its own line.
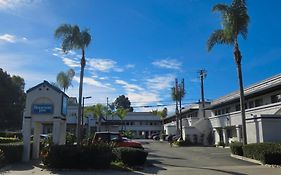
<point x="46" y="83"/>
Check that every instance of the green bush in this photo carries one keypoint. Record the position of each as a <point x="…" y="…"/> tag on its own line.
<point x="267" y="153"/>
<point x="130" y="156"/>
<point x="11" y="134"/>
<point x="183" y="143"/>
<point x="74" y="156"/>
<point x="12" y="151"/>
<point x="9" y="140"/>
<point x="2" y="158"/>
<point x="221" y="143"/>
<point x="236" y="148"/>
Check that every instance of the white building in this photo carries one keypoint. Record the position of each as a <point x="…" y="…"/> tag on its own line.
<point x="142" y="124"/>
<point x="195" y="127"/>
<point x="263" y="113"/>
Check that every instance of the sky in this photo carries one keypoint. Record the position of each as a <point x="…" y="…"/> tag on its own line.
<point x="138" y="47"/>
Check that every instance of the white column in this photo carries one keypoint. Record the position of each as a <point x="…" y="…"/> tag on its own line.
<point x="238" y="133"/>
<point x="62" y="132"/>
<point x="26" y="138"/>
<point x="36" y="140"/>
<point x="216" y="135"/>
<point x="56" y="131"/>
<point x="225" y="137"/>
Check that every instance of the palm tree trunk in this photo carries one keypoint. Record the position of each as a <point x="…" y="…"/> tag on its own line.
<point x="238" y="58"/>
<point x="80" y="97"/>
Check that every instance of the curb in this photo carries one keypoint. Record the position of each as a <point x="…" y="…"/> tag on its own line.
<point x="246" y="159"/>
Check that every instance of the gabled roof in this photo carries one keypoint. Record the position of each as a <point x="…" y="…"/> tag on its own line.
<point x="264" y="86"/>
<point x="46" y="83"/>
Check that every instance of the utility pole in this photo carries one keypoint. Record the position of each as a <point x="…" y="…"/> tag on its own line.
<point x="106" y="108"/>
<point x="181" y="94"/>
<point x="202" y="76"/>
<point x="177" y="109"/>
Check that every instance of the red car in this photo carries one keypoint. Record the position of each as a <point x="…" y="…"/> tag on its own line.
<point x="116" y="138"/>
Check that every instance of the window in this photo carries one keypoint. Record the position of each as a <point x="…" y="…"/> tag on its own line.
<point x="276" y="98"/>
<point x="251" y="104"/>
<point x="237" y="107"/>
<point x="258" y="102"/>
<point x="227" y="110"/>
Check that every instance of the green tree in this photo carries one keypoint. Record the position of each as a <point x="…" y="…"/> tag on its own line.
<point x="64" y="79"/>
<point x="162" y="114"/>
<point x="235" y="22"/>
<point x="73" y="38"/>
<point x="123" y="102"/>
<point x="12" y="101"/>
<point x="121" y="113"/>
<point x="98" y="112"/>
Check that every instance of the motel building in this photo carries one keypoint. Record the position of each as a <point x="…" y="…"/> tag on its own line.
<point x="263" y="113"/>
<point x="141" y="124"/>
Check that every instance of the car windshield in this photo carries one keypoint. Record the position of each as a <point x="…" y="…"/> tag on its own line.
<point x="114" y="137"/>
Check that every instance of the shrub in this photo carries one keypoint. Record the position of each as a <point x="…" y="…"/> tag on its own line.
<point x="11" y="134"/>
<point x="9" y="140"/>
<point x="236" y="148"/>
<point x="2" y="158"/>
<point x="267" y="153"/>
<point x="74" y="156"/>
<point x="70" y="138"/>
<point x="12" y="151"/>
<point x="221" y="143"/>
<point x="183" y="143"/>
<point x="130" y="156"/>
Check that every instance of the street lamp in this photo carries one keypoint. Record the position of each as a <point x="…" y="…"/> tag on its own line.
<point x="83" y="109"/>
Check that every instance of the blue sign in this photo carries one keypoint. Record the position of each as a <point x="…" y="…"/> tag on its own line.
<point x="64" y="106"/>
<point x="42" y="109"/>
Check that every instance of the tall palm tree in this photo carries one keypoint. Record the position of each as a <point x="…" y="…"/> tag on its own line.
<point x="121" y="113"/>
<point x="235" y="21"/>
<point x="73" y="38"/>
<point x="64" y="79"/>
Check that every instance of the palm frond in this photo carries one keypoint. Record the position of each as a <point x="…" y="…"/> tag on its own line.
<point x="218" y="37"/>
<point x="223" y="8"/>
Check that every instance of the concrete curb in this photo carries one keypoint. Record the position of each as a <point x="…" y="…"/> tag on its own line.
<point x="246" y="159"/>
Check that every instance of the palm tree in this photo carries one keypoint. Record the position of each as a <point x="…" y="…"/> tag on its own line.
<point x="121" y="113"/>
<point x="64" y="79"/>
<point x="177" y="94"/>
<point x="235" y="21"/>
<point x="98" y="111"/>
<point x="73" y="38"/>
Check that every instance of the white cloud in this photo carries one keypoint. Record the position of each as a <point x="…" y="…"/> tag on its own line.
<point x="160" y="82"/>
<point x="15" y="4"/>
<point x="71" y="63"/>
<point x="168" y="64"/>
<point x="91" y="81"/>
<point x="129" y="66"/>
<point x="128" y="87"/>
<point x="143" y="98"/>
<point x="12" y="38"/>
<point x="103" y="65"/>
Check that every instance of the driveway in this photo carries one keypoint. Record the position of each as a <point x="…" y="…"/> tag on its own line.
<point x="199" y="160"/>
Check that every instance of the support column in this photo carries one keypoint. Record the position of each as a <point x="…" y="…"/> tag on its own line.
<point x="217" y="136"/>
<point x="238" y="133"/>
<point x="36" y="140"/>
<point x="225" y="136"/>
<point x="62" y="132"/>
<point x="26" y="138"/>
<point x="56" y="131"/>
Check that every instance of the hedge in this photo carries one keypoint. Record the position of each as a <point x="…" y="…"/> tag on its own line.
<point x="76" y="157"/>
<point x="236" y="148"/>
<point x="130" y="156"/>
<point x="267" y="153"/>
<point x="9" y="140"/>
<point x="2" y="158"/>
<point x="11" y="134"/>
<point x="12" y="151"/>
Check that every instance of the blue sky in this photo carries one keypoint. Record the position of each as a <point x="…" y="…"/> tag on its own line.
<point x="138" y="47"/>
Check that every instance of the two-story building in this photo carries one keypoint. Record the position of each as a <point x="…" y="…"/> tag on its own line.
<point x="263" y="113"/>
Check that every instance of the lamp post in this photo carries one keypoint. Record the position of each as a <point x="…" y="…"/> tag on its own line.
<point x="83" y="110"/>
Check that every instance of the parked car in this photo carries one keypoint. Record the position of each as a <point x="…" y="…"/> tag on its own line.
<point x="117" y="139"/>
